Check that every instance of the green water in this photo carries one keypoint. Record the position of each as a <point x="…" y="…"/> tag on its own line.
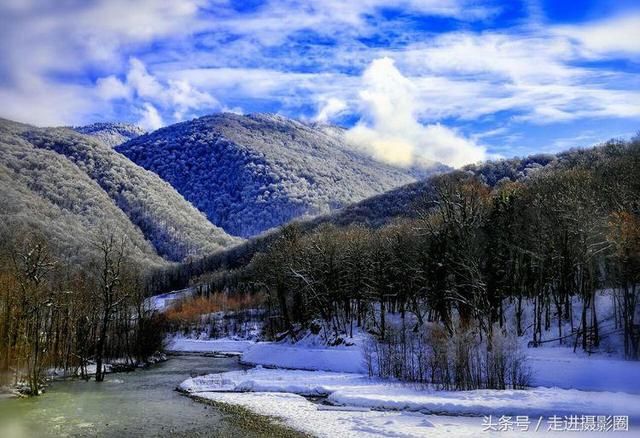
<point x="137" y="404"/>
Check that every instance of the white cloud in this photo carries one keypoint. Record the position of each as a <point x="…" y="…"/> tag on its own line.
<point x="110" y="88"/>
<point x="535" y="71"/>
<point x="183" y="98"/>
<point x="50" y="104"/>
<point x="289" y="90"/>
<point x="178" y="97"/>
<point x="615" y="36"/>
<point x="331" y="108"/>
<point x="43" y="39"/>
<point x="151" y="119"/>
<point x="519" y="56"/>
<point x="145" y="85"/>
<point x="277" y="19"/>
<point x="390" y="131"/>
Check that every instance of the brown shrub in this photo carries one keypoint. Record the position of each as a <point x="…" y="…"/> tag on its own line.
<point x="190" y="310"/>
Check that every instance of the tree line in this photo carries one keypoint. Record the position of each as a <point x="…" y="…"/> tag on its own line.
<point x="520" y="256"/>
<point x="59" y="312"/>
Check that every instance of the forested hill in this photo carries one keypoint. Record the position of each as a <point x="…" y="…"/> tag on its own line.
<point x="413" y="199"/>
<point x="255" y="172"/>
<point x="111" y="134"/>
<point x="66" y="185"/>
<point x="410" y="199"/>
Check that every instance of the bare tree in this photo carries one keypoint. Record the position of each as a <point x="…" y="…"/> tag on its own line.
<point x="33" y="264"/>
<point x="112" y="256"/>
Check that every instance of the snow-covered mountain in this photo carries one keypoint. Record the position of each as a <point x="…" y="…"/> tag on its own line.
<point x="111" y="134"/>
<point x="67" y="185"/>
<point x="249" y="173"/>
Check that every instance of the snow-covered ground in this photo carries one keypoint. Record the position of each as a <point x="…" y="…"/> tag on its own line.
<point x="272" y="354"/>
<point x="162" y="302"/>
<point x="309" y="353"/>
<point x="301" y="414"/>
<point x="360" y="406"/>
<point x="563" y="383"/>
<point x="550" y="366"/>
<point x="280" y="355"/>
<point x="560" y="367"/>
<point x="223" y="345"/>
<point x="350" y="389"/>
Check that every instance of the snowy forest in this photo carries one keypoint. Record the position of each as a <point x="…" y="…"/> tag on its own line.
<point x="65" y="184"/>
<point x="251" y="173"/>
<point x="448" y="291"/>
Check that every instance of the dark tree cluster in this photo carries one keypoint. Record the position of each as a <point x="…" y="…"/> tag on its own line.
<point x="537" y="246"/>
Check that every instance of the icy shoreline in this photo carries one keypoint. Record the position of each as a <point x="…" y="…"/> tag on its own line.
<point x="357" y="390"/>
<point x="357" y="405"/>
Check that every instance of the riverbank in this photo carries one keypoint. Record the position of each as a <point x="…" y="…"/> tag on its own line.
<point x="356" y="405"/>
<point x="331" y="396"/>
<point x="54" y="374"/>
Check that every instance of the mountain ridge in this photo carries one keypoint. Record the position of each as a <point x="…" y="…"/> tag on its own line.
<point x="250" y="173"/>
<point x="111" y="133"/>
<point x="86" y="185"/>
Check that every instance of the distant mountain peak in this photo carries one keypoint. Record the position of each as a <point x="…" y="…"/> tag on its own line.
<point x="250" y="173"/>
<point x="111" y="133"/>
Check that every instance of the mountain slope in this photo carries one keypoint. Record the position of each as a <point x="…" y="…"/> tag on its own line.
<point x="67" y="184"/>
<point x="251" y="173"/>
<point x="404" y="201"/>
<point x="408" y="201"/>
<point x="111" y="134"/>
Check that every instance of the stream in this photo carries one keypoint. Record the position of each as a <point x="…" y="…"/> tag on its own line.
<point x="140" y="404"/>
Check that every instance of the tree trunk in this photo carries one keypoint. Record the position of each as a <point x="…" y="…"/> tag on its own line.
<point x="100" y="348"/>
<point x="383" y="310"/>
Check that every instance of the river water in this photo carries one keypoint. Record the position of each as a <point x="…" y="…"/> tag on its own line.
<point x="142" y="403"/>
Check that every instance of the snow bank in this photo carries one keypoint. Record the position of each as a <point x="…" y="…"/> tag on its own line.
<point x="318" y="383"/>
<point x="534" y="402"/>
<point x="178" y="344"/>
<point x="550" y="366"/>
<point x="303" y="415"/>
<point x="358" y="390"/>
<point x="560" y="367"/>
<point x="309" y="353"/>
<point x="304" y="357"/>
<point x="294" y="357"/>
<point x="162" y="302"/>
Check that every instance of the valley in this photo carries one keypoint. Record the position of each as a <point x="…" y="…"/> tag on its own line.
<point x="332" y="219"/>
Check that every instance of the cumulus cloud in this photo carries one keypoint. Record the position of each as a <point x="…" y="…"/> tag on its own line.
<point x="330" y="108"/>
<point x="45" y="41"/>
<point x="177" y="97"/>
<point x="50" y="104"/>
<point x="389" y="128"/>
<point x="299" y="58"/>
<point x="144" y="84"/>
<point x="151" y="119"/>
<point x="183" y="97"/>
<point x="110" y="88"/>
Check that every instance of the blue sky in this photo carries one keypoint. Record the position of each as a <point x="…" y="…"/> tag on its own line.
<point x="450" y="80"/>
